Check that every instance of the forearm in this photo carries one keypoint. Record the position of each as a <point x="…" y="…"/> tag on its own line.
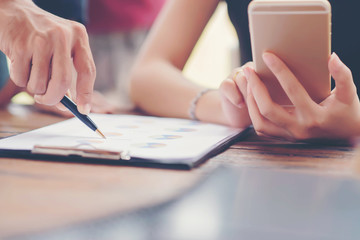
<point x="158" y="86"/>
<point x="161" y="89"/>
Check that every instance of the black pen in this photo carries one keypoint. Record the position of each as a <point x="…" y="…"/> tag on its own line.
<point x="69" y="104"/>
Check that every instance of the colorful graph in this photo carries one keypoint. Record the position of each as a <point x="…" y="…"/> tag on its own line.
<point x="165" y="137"/>
<point x="149" y="145"/>
<point x="181" y="129"/>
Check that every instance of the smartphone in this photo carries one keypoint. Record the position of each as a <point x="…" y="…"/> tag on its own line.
<point x="299" y="33"/>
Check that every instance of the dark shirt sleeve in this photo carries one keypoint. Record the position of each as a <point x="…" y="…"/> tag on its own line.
<point x="70" y="9"/>
<point x="4" y="70"/>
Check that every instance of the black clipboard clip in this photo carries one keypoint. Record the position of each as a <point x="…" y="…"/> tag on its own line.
<point x="86" y="153"/>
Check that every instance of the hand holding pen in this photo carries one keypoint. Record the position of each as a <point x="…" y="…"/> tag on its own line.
<point x="69" y="104"/>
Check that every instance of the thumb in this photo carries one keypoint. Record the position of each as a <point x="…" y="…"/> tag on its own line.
<point x="345" y="89"/>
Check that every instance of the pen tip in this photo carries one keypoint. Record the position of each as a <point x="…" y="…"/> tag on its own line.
<point x="100" y="133"/>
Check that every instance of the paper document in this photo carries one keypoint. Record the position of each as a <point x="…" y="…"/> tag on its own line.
<point x="154" y="138"/>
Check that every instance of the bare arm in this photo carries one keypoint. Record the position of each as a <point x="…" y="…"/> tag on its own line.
<point x="158" y="85"/>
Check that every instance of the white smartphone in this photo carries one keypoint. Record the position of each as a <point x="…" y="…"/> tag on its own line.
<point x="299" y="32"/>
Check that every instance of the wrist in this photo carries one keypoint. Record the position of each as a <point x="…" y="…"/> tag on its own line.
<point x="194" y="102"/>
<point x="208" y="108"/>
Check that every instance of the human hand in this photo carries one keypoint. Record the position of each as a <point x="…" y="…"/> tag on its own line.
<point x="99" y="105"/>
<point x="337" y="117"/>
<point x="43" y="49"/>
<point x="233" y="91"/>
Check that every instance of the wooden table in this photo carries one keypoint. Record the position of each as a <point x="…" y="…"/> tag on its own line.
<point x="40" y="195"/>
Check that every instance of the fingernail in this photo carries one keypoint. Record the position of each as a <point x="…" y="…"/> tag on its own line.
<point x="84" y="109"/>
<point x="68" y="93"/>
<point x="268" y="59"/>
<point x="238" y="74"/>
<point x="61" y="107"/>
<point x="336" y="60"/>
<point x="37" y="98"/>
<point x="334" y="56"/>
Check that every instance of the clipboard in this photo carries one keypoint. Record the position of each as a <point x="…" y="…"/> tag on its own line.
<point x="131" y="140"/>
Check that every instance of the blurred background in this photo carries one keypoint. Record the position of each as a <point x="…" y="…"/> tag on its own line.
<point x="117" y="29"/>
<point x="216" y="53"/>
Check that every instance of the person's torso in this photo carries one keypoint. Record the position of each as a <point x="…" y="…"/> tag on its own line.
<point x="70" y="9"/>
<point x="107" y="16"/>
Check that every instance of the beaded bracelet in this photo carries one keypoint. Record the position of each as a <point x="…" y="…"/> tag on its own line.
<point x="194" y="102"/>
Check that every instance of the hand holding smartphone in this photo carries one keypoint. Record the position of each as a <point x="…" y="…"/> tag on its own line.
<point x="299" y="33"/>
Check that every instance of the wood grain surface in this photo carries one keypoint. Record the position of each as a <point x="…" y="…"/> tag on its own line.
<point x="37" y="196"/>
